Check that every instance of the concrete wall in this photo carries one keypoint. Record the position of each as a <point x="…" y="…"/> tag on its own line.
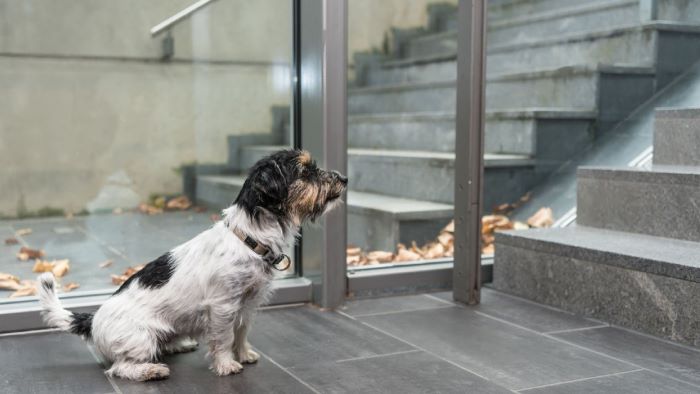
<point x="90" y="118"/>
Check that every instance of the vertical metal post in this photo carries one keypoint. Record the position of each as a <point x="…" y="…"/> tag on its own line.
<point x="469" y="157"/>
<point x="324" y="133"/>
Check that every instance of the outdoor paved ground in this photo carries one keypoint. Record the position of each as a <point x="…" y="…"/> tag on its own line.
<point x="407" y="344"/>
<point x="128" y="239"/>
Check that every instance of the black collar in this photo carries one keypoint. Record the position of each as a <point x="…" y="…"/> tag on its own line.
<point x="263" y="251"/>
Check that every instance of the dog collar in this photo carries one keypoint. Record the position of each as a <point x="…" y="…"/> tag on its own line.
<point x="263" y="251"/>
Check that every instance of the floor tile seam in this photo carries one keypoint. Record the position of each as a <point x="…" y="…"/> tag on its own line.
<point x="288" y="372"/>
<point x="403" y="311"/>
<point x="580" y="380"/>
<point x="428" y="352"/>
<point x="576" y="329"/>
<point x="111" y="381"/>
<point x="378" y="356"/>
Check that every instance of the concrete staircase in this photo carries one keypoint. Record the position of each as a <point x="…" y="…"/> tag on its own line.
<point x="634" y="257"/>
<point x="559" y="73"/>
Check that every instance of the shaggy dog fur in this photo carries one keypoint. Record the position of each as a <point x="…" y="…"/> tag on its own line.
<point x="210" y="286"/>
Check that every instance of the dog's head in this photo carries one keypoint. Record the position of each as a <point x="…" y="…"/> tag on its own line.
<point x="289" y="186"/>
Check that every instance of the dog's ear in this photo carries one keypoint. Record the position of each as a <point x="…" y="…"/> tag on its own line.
<point x="265" y="188"/>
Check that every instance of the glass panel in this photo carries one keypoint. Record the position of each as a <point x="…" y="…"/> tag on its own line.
<point x="571" y="85"/>
<point x="116" y="146"/>
<point x="401" y="120"/>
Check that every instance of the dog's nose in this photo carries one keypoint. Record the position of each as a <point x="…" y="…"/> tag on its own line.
<point x="343" y="180"/>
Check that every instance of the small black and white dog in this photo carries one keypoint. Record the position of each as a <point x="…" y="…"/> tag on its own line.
<point x="210" y="286"/>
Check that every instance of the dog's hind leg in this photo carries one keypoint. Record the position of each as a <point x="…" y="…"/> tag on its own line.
<point x="182" y="344"/>
<point x="133" y="370"/>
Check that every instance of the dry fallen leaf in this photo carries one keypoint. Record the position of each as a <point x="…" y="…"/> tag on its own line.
<point x="353" y="250"/>
<point x="4" y="276"/>
<point x="450" y="228"/>
<point x="380" y="256"/>
<point x="24" y="291"/>
<point x="61" y="268"/>
<point x="404" y="254"/>
<point x="27" y="253"/>
<point x="9" y="282"/>
<point x="118" y="280"/>
<point x="353" y="260"/>
<point x="520" y="226"/>
<point x="23" y="231"/>
<point x="106" y="263"/>
<point x="181" y="203"/>
<point x="542" y="218"/>
<point x="11" y="241"/>
<point x="70" y="287"/>
<point x="149" y="209"/>
<point x="199" y="209"/>
<point x="446" y="239"/>
<point x="42" y="266"/>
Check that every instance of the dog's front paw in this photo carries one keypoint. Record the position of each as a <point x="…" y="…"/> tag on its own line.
<point x="248" y="357"/>
<point x="223" y="368"/>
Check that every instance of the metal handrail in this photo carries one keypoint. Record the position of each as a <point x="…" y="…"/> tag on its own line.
<point x="179" y="17"/>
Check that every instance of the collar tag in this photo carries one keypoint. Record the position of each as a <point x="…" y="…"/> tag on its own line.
<point x="284" y="260"/>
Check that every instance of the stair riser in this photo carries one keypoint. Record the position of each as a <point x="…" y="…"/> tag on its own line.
<point x="372" y="231"/>
<point x="513" y="136"/>
<point x="592" y="21"/>
<point x="661" y="205"/>
<point x="612" y="294"/>
<point x="432" y="45"/>
<point x="433" y="180"/>
<point x="216" y="195"/>
<point x="435" y="71"/>
<point x="677" y="137"/>
<point x="432" y="99"/>
<point x="565" y="91"/>
<point x="436" y="134"/>
<point x="632" y="47"/>
<point x="574" y="90"/>
<point x="513" y="9"/>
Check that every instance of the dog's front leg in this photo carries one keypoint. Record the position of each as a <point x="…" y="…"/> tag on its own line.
<point x="241" y="347"/>
<point x="221" y="338"/>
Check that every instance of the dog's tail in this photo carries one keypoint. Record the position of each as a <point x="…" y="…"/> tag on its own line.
<point x="55" y="315"/>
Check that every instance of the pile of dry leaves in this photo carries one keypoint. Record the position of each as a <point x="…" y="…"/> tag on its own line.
<point x="161" y="203"/>
<point x="443" y="245"/>
<point x="59" y="268"/>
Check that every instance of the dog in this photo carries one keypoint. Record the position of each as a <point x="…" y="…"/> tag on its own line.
<point x="209" y="287"/>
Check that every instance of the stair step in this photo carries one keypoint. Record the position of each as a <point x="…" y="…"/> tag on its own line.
<point x="585" y="17"/>
<point x="432" y="44"/>
<point x="379" y="222"/>
<point x="512" y="131"/>
<point x="423" y="175"/>
<point x="506" y="9"/>
<point x="661" y="202"/>
<point x="616" y="90"/>
<point x="375" y="222"/>
<point x="635" y="44"/>
<point x="677" y="137"/>
<point x="637" y="281"/>
<point x="409" y="97"/>
<point x="430" y="175"/>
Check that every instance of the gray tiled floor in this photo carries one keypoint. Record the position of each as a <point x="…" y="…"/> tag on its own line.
<point x="408" y="344"/>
